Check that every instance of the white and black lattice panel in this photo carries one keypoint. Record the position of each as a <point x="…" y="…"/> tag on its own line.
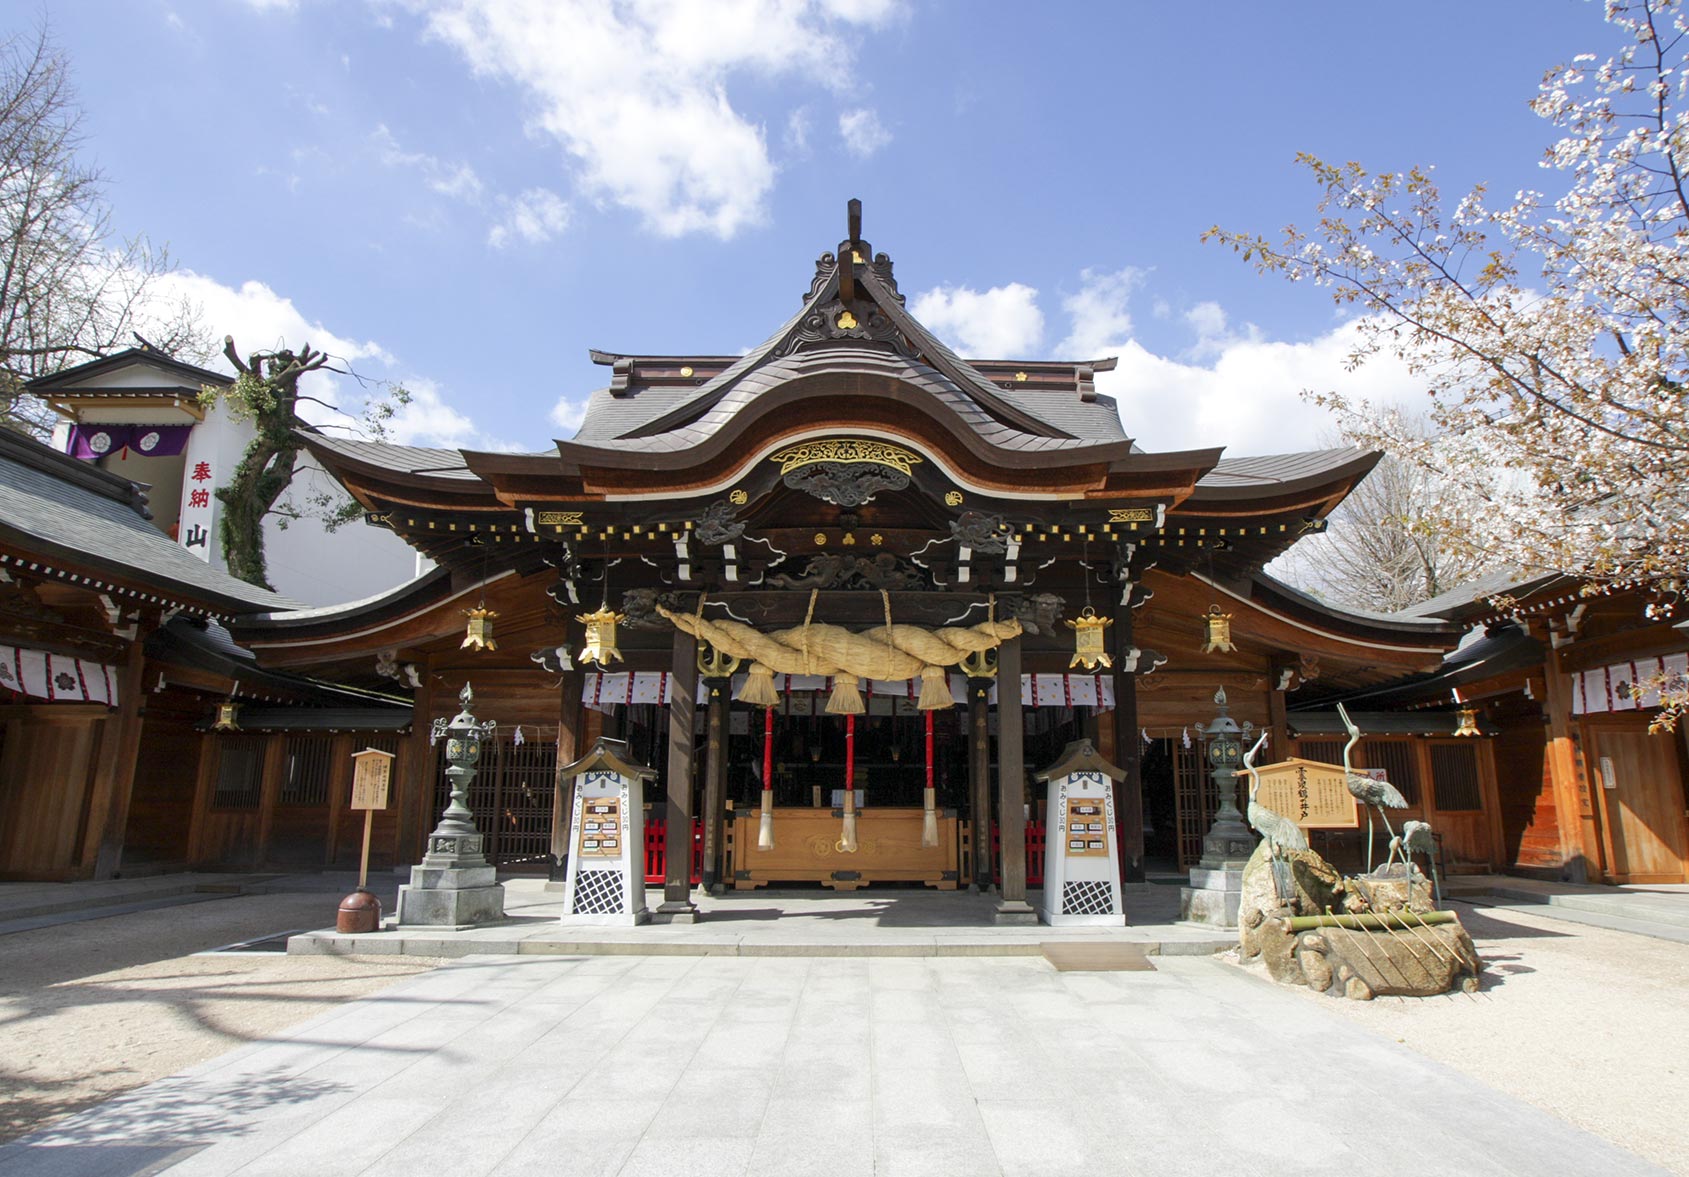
<point x="598" y="892"/>
<point x="1087" y="897"/>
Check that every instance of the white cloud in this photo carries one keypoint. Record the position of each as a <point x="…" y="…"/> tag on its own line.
<point x="260" y="319"/>
<point x="455" y="180"/>
<point x="796" y="139"/>
<point x="998" y="323"/>
<point x="1231" y="388"/>
<point x="568" y="414"/>
<point x="1249" y="398"/>
<point x="1097" y="315"/>
<point x="862" y="132"/>
<point x="637" y="93"/>
<point x="534" y="217"/>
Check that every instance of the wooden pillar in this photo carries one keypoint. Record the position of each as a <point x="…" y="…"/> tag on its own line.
<point x="1580" y="839"/>
<point x="1011" y="787"/>
<point x="1278" y="723"/>
<point x="979" y="780"/>
<point x="116" y="780"/>
<point x="715" y="776"/>
<point x="683" y="710"/>
<point x="416" y="786"/>
<point x="569" y="749"/>
<point x="1128" y="748"/>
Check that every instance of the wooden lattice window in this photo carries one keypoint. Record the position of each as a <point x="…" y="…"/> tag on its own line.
<point x="1454" y="777"/>
<point x="1324" y="751"/>
<point x="1400" y="765"/>
<point x="305" y="771"/>
<point x="240" y="772"/>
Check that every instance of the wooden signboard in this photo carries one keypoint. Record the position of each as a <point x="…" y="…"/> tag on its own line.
<point x="1309" y="793"/>
<point x="1086" y="835"/>
<point x="372" y="773"/>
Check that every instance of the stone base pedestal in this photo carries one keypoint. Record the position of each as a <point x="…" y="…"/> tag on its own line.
<point x="451" y="896"/>
<point x="675" y="912"/>
<point x="1015" y="912"/>
<point x="1214" y="896"/>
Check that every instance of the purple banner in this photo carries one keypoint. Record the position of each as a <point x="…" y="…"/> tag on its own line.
<point x="90" y="442"/>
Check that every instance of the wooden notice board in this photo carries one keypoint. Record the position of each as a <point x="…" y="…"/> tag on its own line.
<point x="372" y="774"/>
<point x="1309" y="793"/>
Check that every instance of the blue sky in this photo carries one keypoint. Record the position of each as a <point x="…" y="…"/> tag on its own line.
<point x="468" y="195"/>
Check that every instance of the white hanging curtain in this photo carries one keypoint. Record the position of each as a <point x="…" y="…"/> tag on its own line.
<point x="58" y="678"/>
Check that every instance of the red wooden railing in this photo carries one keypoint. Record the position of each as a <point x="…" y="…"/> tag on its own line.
<point x="1034" y="851"/>
<point x="657" y="851"/>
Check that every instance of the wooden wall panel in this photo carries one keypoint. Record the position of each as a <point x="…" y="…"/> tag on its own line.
<point x="1530" y="822"/>
<point x="46" y="774"/>
<point x="166" y="774"/>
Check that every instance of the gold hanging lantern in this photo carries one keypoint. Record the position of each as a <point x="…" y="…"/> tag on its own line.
<point x="1088" y="640"/>
<point x="1468" y="722"/>
<point x="478" y="633"/>
<point x="226" y="717"/>
<point x="1217" y="632"/>
<point x="600" y="646"/>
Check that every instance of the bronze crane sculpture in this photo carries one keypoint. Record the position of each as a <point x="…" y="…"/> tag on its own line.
<point x="1374" y="794"/>
<point x="1416" y="838"/>
<point x="1277" y="831"/>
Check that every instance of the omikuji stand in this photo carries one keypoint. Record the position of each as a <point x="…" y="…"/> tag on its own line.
<point x="605" y="882"/>
<point x="1082" y="850"/>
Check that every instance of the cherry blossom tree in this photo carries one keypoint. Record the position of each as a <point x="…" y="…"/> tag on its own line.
<point x="1552" y="332"/>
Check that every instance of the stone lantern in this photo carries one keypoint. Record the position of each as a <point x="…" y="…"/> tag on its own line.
<point x="454" y="885"/>
<point x="1216" y="889"/>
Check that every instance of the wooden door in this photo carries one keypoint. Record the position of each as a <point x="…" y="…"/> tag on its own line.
<point x="1641" y="787"/>
<point x="46" y="780"/>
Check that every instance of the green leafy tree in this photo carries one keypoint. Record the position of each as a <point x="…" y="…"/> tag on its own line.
<point x="267" y="393"/>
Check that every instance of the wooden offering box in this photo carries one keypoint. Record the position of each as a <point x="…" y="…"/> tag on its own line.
<point x="806" y="849"/>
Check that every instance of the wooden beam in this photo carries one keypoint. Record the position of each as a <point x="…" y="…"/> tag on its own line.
<point x="569" y="750"/>
<point x="416" y="786"/>
<point x="715" y="776"/>
<point x="683" y="709"/>
<point x="1580" y="840"/>
<point x="1011" y="781"/>
<point x="116" y="781"/>
<point x="979" y="779"/>
<point x="1128" y="750"/>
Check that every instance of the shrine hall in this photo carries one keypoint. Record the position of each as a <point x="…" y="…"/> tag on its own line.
<point x="845" y="595"/>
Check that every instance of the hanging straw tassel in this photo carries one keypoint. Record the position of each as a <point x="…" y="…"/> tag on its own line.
<point x="765" y="827"/>
<point x="759" y="690"/>
<point x="847" y="837"/>
<point x="846" y="698"/>
<point x="929" y="800"/>
<point x="935" y="689"/>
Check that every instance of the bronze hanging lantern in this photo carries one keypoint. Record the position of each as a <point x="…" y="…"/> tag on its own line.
<point x="227" y="714"/>
<point x="478" y="633"/>
<point x="1468" y="722"/>
<point x="1088" y="640"/>
<point x="1217" y="632"/>
<point x="600" y="646"/>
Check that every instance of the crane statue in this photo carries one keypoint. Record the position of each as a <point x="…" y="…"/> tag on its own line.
<point x="1416" y="838"/>
<point x="1277" y="831"/>
<point x="1374" y="794"/>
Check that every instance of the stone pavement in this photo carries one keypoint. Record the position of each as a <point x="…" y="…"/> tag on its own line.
<point x="824" y="1065"/>
<point x="1660" y="910"/>
<point x="876" y="921"/>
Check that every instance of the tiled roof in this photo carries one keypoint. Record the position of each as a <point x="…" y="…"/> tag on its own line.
<point x="54" y="504"/>
<point x="1266" y="470"/>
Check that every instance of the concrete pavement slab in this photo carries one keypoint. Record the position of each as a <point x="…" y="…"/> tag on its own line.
<point x="528" y="1064"/>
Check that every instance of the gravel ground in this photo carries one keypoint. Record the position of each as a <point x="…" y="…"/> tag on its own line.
<point x="94" y="1008"/>
<point x="1588" y="1024"/>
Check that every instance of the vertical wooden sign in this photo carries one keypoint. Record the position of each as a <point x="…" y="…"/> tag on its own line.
<point x="372" y="777"/>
